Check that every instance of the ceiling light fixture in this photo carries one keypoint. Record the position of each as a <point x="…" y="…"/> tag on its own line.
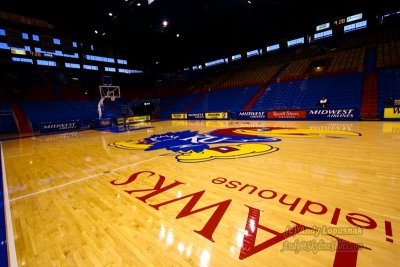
<point x="110" y="14"/>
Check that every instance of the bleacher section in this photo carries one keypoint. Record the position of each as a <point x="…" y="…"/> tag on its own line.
<point x="3" y="93"/>
<point x="370" y="60"/>
<point x="351" y="60"/>
<point x="388" y="54"/>
<point x="307" y="52"/>
<point x="296" y="70"/>
<point x="356" y="40"/>
<point x="226" y="100"/>
<point x="388" y="33"/>
<point x="179" y="103"/>
<point x="166" y="103"/>
<point x="389" y="87"/>
<point x="252" y="72"/>
<point x="254" y="75"/>
<point x="333" y="63"/>
<point x="59" y="110"/>
<point x="33" y="84"/>
<point x="215" y="77"/>
<point x="369" y="104"/>
<point x="292" y="78"/>
<point x="342" y="91"/>
<point x="7" y="124"/>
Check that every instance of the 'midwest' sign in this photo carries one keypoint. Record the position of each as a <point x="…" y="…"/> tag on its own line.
<point x="333" y="114"/>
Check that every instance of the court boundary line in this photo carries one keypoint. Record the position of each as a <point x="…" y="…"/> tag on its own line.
<point x="80" y="180"/>
<point x="20" y="155"/>
<point x="12" y="255"/>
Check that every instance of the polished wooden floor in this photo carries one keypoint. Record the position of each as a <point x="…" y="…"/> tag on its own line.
<point x="323" y="194"/>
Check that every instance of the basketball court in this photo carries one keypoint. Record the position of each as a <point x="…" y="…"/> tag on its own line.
<point x="206" y="193"/>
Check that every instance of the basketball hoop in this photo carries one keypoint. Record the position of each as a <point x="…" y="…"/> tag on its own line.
<point x="111" y="92"/>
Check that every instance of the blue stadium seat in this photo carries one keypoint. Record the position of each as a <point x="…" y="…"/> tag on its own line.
<point x="388" y="86"/>
<point x="343" y="91"/>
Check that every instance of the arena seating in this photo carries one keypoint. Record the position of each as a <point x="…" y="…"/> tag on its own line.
<point x="343" y="91"/>
<point x="226" y="100"/>
<point x="389" y="86"/>
<point x="388" y="54"/>
<point x="59" y="110"/>
<point x="178" y="104"/>
<point x="341" y="69"/>
<point x="369" y="104"/>
<point x="351" y="60"/>
<point x="7" y="124"/>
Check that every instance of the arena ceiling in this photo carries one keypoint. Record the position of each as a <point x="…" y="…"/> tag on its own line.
<point x="208" y="29"/>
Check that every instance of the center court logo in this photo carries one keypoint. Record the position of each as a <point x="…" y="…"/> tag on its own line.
<point x="230" y="143"/>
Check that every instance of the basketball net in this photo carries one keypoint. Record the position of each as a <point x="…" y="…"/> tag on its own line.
<point x="107" y="91"/>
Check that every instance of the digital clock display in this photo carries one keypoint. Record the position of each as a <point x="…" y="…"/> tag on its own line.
<point x="35" y="54"/>
<point x="340" y="21"/>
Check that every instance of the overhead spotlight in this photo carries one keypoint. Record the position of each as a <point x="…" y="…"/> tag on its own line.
<point x="110" y="14"/>
<point x="103" y="33"/>
<point x="138" y="4"/>
<point x="248" y="1"/>
<point x="177" y="35"/>
<point x="165" y="23"/>
<point x="157" y="62"/>
<point x="96" y="32"/>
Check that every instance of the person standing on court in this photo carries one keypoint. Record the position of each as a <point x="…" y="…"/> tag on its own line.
<point x="323" y="102"/>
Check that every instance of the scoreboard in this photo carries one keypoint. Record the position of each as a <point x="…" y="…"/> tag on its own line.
<point x="340" y="24"/>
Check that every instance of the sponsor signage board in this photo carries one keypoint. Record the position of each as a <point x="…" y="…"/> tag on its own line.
<point x="133" y="119"/>
<point x="216" y="115"/>
<point x="287" y="114"/>
<point x="139" y="118"/>
<point x="251" y="115"/>
<point x="196" y="116"/>
<point x="104" y="122"/>
<point x="179" y="116"/>
<point x="51" y="127"/>
<point x="392" y="113"/>
<point x="333" y="114"/>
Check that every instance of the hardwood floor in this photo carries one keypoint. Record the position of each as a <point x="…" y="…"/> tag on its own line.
<point x="234" y="193"/>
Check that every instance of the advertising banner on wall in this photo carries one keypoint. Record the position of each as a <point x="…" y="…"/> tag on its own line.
<point x="121" y="120"/>
<point x="333" y="114"/>
<point x="392" y="113"/>
<point x="139" y="118"/>
<point x="196" y="116"/>
<point x="104" y="122"/>
<point x="251" y="115"/>
<point x="216" y="115"/>
<point x="287" y="114"/>
<point x="52" y="127"/>
<point x="179" y="116"/>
